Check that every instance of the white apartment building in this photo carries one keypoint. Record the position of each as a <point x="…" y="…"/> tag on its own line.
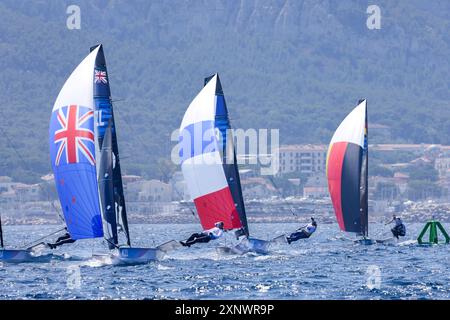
<point x="149" y="190"/>
<point x="303" y="159"/>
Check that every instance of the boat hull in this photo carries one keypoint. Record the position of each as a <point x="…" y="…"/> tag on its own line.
<point x="366" y="241"/>
<point x="224" y="250"/>
<point x="258" y="246"/>
<point x="245" y="246"/>
<point x="22" y="256"/>
<point x="387" y="241"/>
<point x="138" y="255"/>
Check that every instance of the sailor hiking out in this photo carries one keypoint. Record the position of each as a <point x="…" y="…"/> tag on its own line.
<point x="303" y="232"/>
<point x="206" y="235"/>
<point x="66" y="238"/>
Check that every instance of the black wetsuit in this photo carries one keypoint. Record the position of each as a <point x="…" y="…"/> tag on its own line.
<point x="61" y="240"/>
<point x="197" y="237"/>
<point x="399" y="230"/>
<point x="301" y="234"/>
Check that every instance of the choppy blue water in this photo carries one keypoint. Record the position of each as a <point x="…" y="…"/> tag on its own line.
<point x="323" y="267"/>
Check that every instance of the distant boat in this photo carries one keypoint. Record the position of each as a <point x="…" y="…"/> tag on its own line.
<point x="210" y="168"/>
<point x="81" y="131"/>
<point x="20" y="255"/>
<point x="347" y="173"/>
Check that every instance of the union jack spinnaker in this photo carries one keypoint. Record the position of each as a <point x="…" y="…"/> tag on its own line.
<point x="72" y="152"/>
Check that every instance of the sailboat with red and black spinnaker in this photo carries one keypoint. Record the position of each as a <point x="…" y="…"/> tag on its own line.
<point x="347" y="173"/>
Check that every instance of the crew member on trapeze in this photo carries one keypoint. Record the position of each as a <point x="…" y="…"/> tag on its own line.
<point x="303" y="232"/>
<point x="206" y="235"/>
<point x="66" y="238"/>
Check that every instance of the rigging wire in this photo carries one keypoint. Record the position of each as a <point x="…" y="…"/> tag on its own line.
<point x="29" y="245"/>
<point x="279" y="193"/>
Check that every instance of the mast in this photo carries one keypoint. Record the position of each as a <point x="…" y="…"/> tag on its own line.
<point x="228" y="151"/>
<point x="105" y="113"/>
<point x="106" y="187"/>
<point x="365" y="178"/>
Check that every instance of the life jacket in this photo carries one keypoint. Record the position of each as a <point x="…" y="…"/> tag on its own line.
<point x="400" y="230"/>
<point x="214" y="232"/>
<point x="310" y="228"/>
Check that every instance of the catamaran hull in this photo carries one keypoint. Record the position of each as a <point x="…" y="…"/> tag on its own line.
<point x="223" y="250"/>
<point x="245" y="246"/>
<point x="22" y="256"/>
<point x="387" y="241"/>
<point x="138" y="255"/>
<point x="366" y="242"/>
<point x="127" y="255"/>
<point x="257" y="245"/>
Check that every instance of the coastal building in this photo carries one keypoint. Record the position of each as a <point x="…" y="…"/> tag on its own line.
<point x="383" y="188"/>
<point x="316" y="187"/>
<point x="149" y="190"/>
<point x="11" y="191"/>
<point x="302" y="159"/>
<point x="180" y="190"/>
<point x="27" y="192"/>
<point x="6" y="184"/>
<point x="401" y="181"/>
<point x="442" y="165"/>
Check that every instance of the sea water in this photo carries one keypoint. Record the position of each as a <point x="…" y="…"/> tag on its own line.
<point x="326" y="266"/>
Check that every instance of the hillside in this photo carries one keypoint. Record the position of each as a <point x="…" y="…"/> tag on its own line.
<point x="299" y="66"/>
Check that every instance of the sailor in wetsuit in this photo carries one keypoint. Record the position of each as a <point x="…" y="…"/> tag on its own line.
<point x="66" y="238"/>
<point x="399" y="229"/>
<point x="303" y="232"/>
<point x="205" y="236"/>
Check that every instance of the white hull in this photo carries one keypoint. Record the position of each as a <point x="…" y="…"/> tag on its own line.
<point x="132" y="255"/>
<point x="137" y="255"/>
<point x="245" y="246"/>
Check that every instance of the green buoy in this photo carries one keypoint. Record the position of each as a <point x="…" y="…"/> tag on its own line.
<point x="434" y="226"/>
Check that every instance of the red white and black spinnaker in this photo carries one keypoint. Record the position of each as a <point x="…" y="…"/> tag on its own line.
<point x="347" y="172"/>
